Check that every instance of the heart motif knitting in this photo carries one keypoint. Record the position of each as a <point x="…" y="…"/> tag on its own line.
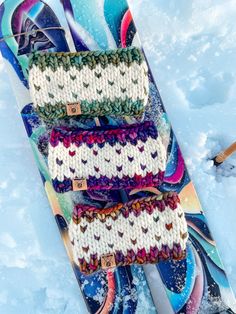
<point x="107" y="158"/>
<point x="147" y="241"/>
<point x="113" y="82"/>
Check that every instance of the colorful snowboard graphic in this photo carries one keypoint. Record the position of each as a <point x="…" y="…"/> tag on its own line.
<point x="195" y="285"/>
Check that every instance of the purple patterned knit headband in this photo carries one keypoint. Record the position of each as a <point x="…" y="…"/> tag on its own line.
<point x="128" y="157"/>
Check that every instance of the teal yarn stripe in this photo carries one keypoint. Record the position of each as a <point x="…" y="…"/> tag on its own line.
<point x="85" y="58"/>
<point x="95" y="108"/>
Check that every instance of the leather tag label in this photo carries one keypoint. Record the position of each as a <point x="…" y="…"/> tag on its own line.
<point x="73" y="109"/>
<point x="79" y="185"/>
<point x="108" y="261"/>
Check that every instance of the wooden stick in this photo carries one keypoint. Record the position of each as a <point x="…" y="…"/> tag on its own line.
<point x="222" y="156"/>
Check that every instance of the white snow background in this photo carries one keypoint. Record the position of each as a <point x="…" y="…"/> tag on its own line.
<point x="191" y="47"/>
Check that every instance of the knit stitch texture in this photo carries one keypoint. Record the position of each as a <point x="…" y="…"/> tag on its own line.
<point x="146" y="230"/>
<point x="113" y="82"/>
<point x="131" y="156"/>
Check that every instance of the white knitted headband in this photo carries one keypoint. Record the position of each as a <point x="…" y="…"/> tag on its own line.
<point x="93" y="83"/>
<point x="128" y="157"/>
<point x="146" y="230"/>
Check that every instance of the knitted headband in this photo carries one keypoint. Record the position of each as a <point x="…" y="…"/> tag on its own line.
<point x="146" y="230"/>
<point x="92" y="83"/>
<point x="131" y="156"/>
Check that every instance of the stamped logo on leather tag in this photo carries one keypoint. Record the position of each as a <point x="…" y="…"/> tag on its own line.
<point x="79" y="185"/>
<point x="73" y="109"/>
<point x="108" y="261"/>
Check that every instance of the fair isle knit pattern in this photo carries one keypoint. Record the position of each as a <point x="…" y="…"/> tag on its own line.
<point x="113" y="82"/>
<point x="125" y="157"/>
<point x="146" y="230"/>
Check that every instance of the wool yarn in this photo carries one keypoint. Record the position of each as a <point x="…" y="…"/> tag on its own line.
<point x="146" y="230"/>
<point x="125" y="157"/>
<point x="95" y="83"/>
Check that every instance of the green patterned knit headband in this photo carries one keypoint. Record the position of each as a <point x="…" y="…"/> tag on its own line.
<point x="93" y="83"/>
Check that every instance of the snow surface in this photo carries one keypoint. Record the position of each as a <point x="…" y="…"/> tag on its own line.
<point x="192" y="54"/>
<point x="191" y="47"/>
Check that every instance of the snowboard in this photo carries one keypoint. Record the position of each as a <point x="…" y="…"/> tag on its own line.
<point x="197" y="284"/>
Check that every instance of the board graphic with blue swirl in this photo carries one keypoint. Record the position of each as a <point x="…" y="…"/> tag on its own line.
<point x="197" y="284"/>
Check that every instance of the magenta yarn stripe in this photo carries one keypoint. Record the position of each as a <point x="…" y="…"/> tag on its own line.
<point x="122" y="134"/>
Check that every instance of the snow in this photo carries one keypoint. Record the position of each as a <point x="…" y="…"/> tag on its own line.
<point x="191" y="51"/>
<point x="191" y="47"/>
